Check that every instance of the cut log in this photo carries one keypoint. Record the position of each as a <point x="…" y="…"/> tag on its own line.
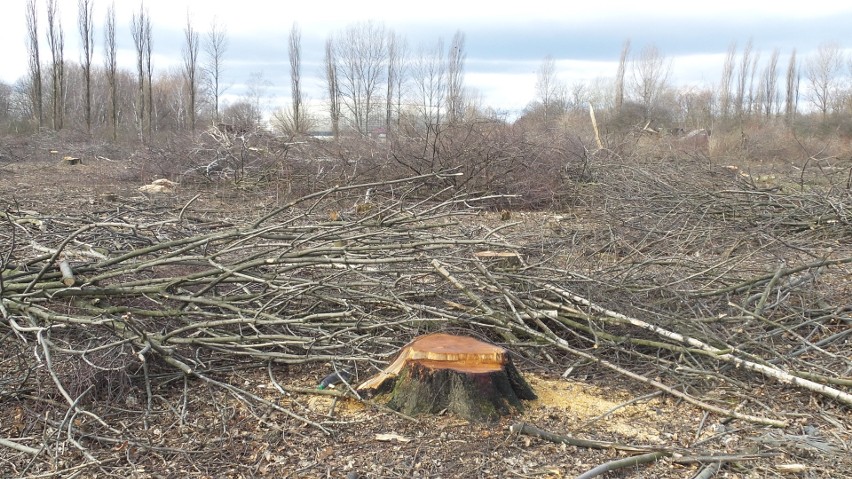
<point x="436" y="372"/>
<point x="67" y="273"/>
<point x="507" y="260"/>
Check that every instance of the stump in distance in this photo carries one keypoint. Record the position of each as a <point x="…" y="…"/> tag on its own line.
<point x="470" y="378"/>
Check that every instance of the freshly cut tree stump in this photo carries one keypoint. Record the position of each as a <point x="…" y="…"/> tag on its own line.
<point x="468" y="377"/>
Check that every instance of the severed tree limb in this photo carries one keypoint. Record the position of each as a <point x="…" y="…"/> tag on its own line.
<point x="530" y="430"/>
<point x="773" y="276"/>
<point x="651" y="453"/>
<point x="19" y="447"/>
<point x="340" y="394"/>
<point x="480" y="303"/>
<point x="562" y="344"/>
<point x="706" y="472"/>
<point x="324" y="193"/>
<point x="166" y="355"/>
<point x="720" y="354"/>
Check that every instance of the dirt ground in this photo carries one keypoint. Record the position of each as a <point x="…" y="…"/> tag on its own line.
<point x="194" y="430"/>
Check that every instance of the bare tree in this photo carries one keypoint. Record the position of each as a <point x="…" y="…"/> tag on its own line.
<point x="56" y="42"/>
<point x="149" y="72"/>
<point x="742" y="80"/>
<point x="6" y="94"/>
<point x="395" y="77"/>
<point x="215" y="46"/>
<point x="725" y="83"/>
<point x="401" y="77"/>
<point x="86" y="25"/>
<point x="650" y="78"/>
<point x="111" y="67"/>
<point x="256" y="92"/>
<point x="770" y="84"/>
<point x="792" y="90"/>
<point x="138" y="32"/>
<point x="549" y="90"/>
<point x="619" y="75"/>
<point x="294" y="47"/>
<point x="752" y="84"/>
<point x="822" y="71"/>
<point x="332" y="86"/>
<point x="34" y="62"/>
<point x="190" y="69"/>
<point x="361" y="55"/>
<point x="141" y="31"/>
<point x="455" y="78"/>
<point x="430" y="85"/>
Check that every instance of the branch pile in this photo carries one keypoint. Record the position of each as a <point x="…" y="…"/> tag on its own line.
<point x="349" y="274"/>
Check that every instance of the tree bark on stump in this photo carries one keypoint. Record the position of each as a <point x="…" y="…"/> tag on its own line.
<point x="470" y="378"/>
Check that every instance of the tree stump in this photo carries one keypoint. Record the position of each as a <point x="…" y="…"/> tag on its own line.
<point x="436" y="372"/>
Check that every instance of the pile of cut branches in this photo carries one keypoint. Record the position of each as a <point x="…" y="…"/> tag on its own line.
<point x="101" y="303"/>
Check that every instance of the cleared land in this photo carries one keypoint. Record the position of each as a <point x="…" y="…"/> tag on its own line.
<point x="712" y="304"/>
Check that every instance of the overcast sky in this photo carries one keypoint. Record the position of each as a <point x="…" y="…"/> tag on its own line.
<point x="505" y="41"/>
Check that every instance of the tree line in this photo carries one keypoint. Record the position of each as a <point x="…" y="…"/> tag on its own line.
<point x="375" y="83"/>
<point x="751" y="90"/>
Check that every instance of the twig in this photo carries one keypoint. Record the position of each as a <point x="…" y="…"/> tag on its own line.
<point x="529" y="430"/>
<point x="622" y="463"/>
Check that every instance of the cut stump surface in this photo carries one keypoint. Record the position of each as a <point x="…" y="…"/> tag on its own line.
<point x="436" y="372"/>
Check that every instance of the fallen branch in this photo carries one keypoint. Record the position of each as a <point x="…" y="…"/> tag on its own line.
<point x="19" y="447"/>
<point x="529" y="430"/>
<point x="720" y="354"/>
<point x="622" y="463"/>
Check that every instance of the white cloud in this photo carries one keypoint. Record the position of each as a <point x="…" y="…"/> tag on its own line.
<point x="506" y="39"/>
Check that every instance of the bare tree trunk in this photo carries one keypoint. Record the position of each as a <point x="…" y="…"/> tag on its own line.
<point x="86" y="26"/>
<point x="35" y="62"/>
<point x="190" y="70"/>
